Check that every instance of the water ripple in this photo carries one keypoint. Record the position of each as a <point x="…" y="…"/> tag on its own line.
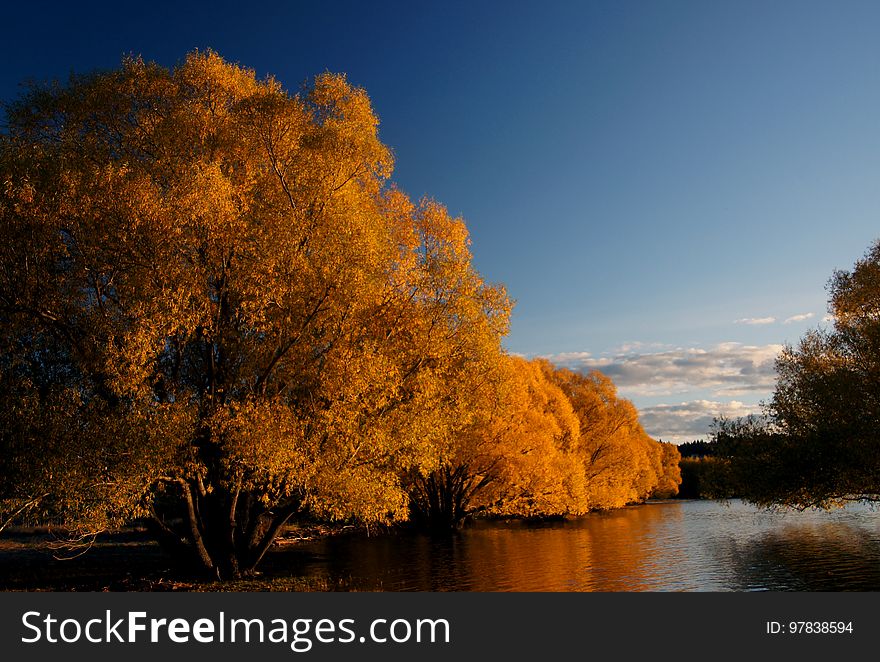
<point x="667" y="546"/>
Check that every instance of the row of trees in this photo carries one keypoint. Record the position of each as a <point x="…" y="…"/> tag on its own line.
<point x="217" y="315"/>
<point x="545" y="442"/>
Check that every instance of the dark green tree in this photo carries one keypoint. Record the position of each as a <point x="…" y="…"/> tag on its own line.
<point x="818" y="444"/>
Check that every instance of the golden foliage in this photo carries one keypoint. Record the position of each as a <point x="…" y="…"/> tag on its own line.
<point x="542" y="442"/>
<point x="218" y="313"/>
<point x="621" y="462"/>
<point x="197" y="245"/>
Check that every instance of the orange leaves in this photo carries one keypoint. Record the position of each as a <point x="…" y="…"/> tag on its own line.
<point x="345" y="115"/>
<point x="254" y="321"/>
<point x="215" y="246"/>
<point x="445" y="237"/>
<point x="544" y="441"/>
<point x="219" y="84"/>
<point x="538" y="428"/>
<point x="620" y="462"/>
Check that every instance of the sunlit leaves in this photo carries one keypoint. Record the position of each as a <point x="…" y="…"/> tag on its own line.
<point x="199" y="242"/>
<point x="219" y="313"/>
<point x="541" y="442"/>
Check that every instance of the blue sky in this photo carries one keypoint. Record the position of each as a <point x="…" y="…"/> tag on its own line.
<point x="649" y="179"/>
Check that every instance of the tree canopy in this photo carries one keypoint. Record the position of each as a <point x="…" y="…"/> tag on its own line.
<point x="213" y="281"/>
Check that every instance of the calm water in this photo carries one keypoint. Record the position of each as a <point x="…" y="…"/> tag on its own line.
<point x="666" y="546"/>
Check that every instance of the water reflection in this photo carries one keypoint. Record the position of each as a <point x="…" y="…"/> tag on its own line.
<point x="671" y="546"/>
<point x="821" y="557"/>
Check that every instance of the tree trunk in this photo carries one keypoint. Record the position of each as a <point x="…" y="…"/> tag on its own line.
<point x="225" y="533"/>
<point x="439" y="503"/>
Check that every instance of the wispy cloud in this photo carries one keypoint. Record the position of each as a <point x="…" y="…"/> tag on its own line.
<point x="687" y="421"/>
<point x="755" y="320"/>
<point x="643" y="347"/>
<point x="725" y="370"/>
<point x="799" y="318"/>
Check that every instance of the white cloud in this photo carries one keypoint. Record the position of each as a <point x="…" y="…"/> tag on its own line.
<point x="687" y="421"/>
<point x="642" y="346"/>
<point x="799" y="318"/>
<point x="725" y="370"/>
<point x="755" y="320"/>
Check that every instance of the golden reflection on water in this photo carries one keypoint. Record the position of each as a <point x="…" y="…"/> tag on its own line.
<point x="668" y="546"/>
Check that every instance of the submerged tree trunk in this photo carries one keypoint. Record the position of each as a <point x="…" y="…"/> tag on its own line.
<point x="440" y="501"/>
<point x="225" y="533"/>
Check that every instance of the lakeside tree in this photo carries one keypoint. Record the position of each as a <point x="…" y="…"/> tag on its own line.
<point x="817" y="444"/>
<point x="705" y="477"/>
<point x="216" y="312"/>
<point x="511" y="456"/>
<point x="669" y="478"/>
<point x="542" y="473"/>
<point x="621" y="463"/>
<point x="543" y="442"/>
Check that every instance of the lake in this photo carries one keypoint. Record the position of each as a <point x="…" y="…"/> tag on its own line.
<point x="662" y="546"/>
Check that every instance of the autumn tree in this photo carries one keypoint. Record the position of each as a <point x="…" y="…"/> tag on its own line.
<point x="508" y="453"/>
<point x="621" y="463"/>
<point x="217" y="313"/>
<point x="541" y="472"/>
<point x="669" y="477"/>
<point x="816" y="444"/>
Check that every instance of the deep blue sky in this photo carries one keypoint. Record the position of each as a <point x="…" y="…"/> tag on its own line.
<point x="639" y="174"/>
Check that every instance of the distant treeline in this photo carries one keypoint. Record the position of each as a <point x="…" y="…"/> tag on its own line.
<point x="696" y="449"/>
<point x="704" y="475"/>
